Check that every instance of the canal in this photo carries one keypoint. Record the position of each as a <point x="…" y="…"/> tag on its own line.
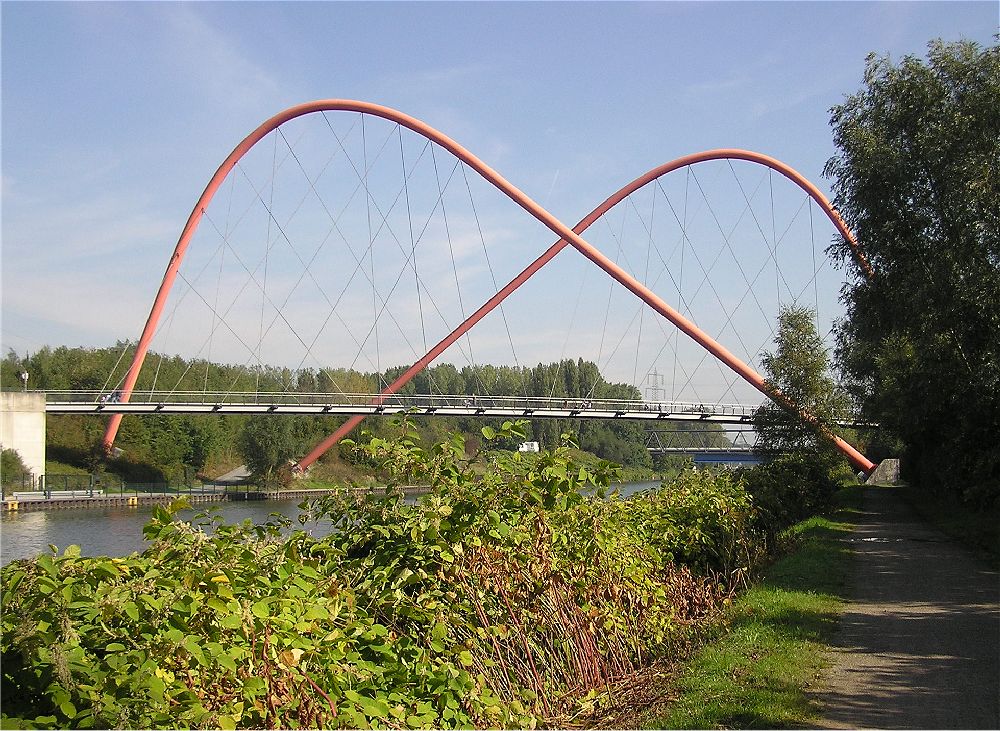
<point x="118" y="531"/>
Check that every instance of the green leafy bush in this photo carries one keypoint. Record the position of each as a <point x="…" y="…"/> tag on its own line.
<point x="498" y="600"/>
<point x="13" y="471"/>
<point x="793" y="486"/>
<point x="704" y="520"/>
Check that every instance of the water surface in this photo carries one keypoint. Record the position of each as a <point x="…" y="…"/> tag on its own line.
<point x="118" y="531"/>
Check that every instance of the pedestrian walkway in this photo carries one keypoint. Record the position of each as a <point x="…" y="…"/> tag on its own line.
<point x="919" y="643"/>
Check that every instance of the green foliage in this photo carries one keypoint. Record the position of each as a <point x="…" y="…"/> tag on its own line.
<point x="267" y="443"/>
<point x="13" y="471"/>
<point x="977" y="528"/>
<point x="790" y="487"/>
<point x="917" y="177"/>
<point x="495" y="601"/>
<point x="799" y="370"/>
<point x="802" y="468"/>
<point x="614" y="446"/>
<point x="670" y="466"/>
<point x="157" y="448"/>
<point x="705" y="520"/>
<point x="758" y="669"/>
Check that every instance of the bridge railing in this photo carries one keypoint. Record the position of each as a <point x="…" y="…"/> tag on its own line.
<point x="419" y="401"/>
<point x="452" y="405"/>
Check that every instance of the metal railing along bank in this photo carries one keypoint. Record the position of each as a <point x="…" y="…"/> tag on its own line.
<point x="64" y="487"/>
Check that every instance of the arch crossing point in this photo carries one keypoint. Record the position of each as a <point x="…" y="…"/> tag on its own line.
<point x="566" y="236"/>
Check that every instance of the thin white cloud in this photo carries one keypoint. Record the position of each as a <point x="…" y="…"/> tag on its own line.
<point x="211" y="61"/>
<point x="93" y="230"/>
<point x="97" y="309"/>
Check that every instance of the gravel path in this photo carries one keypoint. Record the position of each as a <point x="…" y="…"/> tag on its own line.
<point x="919" y="642"/>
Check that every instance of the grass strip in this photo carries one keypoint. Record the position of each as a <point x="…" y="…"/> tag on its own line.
<point x="769" y="648"/>
<point x="54" y="467"/>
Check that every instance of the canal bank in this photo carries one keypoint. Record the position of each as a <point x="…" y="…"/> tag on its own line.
<point x="38" y="501"/>
<point x="63" y="500"/>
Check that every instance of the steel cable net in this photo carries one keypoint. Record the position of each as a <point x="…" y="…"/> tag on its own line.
<point x="342" y="246"/>
<point x="727" y="244"/>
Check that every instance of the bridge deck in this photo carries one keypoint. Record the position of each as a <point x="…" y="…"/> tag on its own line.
<point x="320" y="404"/>
<point x="69" y="407"/>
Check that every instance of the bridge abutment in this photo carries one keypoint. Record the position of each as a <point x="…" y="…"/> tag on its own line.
<point x="887" y="473"/>
<point x="22" y="428"/>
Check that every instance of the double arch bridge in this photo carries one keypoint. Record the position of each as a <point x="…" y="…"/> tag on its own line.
<point x="364" y="167"/>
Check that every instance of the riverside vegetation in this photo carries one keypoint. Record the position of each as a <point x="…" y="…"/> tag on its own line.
<point x="173" y="448"/>
<point x="507" y="597"/>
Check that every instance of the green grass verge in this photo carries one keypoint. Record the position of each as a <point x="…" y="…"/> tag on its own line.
<point x="756" y="670"/>
<point x="53" y="467"/>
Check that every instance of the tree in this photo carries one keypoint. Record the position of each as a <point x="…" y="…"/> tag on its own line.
<point x="799" y="369"/>
<point x="11" y="368"/>
<point x="266" y="444"/>
<point x="203" y="437"/>
<point x="13" y="471"/>
<point x="917" y="177"/>
<point x="803" y="466"/>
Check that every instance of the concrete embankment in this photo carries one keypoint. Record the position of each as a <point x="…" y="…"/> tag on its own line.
<point x="103" y="501"/>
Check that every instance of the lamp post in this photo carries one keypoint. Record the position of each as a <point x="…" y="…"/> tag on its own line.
<point x="24" y="378"/>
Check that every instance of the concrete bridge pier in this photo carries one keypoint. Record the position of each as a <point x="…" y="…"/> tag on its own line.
<point x="22" y="428"/>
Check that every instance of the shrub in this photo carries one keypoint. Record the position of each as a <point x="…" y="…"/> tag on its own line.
<point x="499" y="599"/>
<point x="792" y="486"/>
<point x="704" y="520"/>
<point x="13" y="471"/>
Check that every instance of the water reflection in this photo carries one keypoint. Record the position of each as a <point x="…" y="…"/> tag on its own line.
<point x="631" y="488"/>
<point x="118" y="531"/>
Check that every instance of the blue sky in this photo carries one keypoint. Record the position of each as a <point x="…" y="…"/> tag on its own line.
<point x="115" y="115"/>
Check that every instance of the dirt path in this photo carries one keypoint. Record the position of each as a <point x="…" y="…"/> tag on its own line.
<point x="919" y="643"/>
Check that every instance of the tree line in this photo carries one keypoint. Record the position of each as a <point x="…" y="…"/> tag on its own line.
<point x="174" y="447"/>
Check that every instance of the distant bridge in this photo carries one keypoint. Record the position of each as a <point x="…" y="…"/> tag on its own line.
<point x="729" y="457"/>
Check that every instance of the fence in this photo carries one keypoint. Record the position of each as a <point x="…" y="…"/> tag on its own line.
<point x="47" y="487"/>
<point x="22" y="481"/>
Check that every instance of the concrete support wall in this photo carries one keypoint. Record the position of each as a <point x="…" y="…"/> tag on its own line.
<point x="887" y="473"/>
<point x="22" y="427"/>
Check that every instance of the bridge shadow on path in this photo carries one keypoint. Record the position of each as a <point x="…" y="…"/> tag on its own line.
<point x="919" y="643"/>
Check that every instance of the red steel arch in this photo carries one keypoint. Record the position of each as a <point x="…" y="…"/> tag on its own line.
<point x="858" y="459"/>
<point x="566" y="236"/>
<point x="735" y="154"/>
